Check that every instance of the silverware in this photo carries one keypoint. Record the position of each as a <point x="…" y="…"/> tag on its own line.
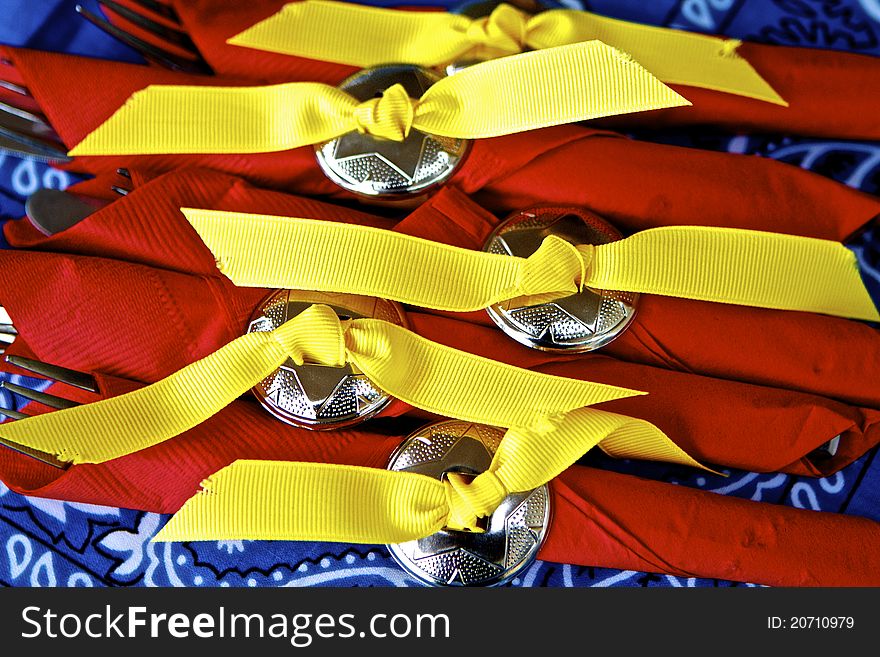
<point x="122" y="191"/>
<point x="192" y="63"/>
<point x="28" y="134"/>
<point x="11" y="86"/>
<point x="19" y="136"/>
<point x="166" y="11"/>
<point x="25" y="148"/>
<point x="52" y="211"/>
<point x="51" y="373"/>
<point x="827" y="450"/>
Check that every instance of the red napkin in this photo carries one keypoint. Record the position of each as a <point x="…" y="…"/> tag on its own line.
<point x="179" y="317"/>
<point x="599" y="518"/>
<point x="636" y="185"/>
<point x="812" y="353"/>
<point x="830" y="93"/>
<point x="630" y="523"/>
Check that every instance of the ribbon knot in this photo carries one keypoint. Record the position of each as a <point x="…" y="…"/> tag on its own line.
<point x="316" y="335"/>
<point x="470" y="498"/>
<point x="390" y="116"/>
<point x="505" y="30"/>
<point x="557" y="268"/>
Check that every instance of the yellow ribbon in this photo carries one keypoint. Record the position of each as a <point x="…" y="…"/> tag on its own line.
<point x="725" y="265"/>
<point x="255" y="500"/>
<point x="369" y="36"/>
<point x="424" y="374"/>
<point x="533" y="90"/>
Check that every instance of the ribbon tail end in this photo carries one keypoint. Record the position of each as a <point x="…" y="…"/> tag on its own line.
<point x="677" y="100"/>
<point x="245" y="39"/>
<point x="165" y="535"/>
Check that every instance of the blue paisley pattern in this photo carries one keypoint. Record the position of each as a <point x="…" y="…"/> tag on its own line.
<point x="53" y="543"/>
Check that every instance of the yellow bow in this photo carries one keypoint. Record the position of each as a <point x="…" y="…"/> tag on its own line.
<point x="369" y="36"/>
<point x="506" y="30"/>
<point x="426" y="375"/>
<point x="390" y="116"/>
<point x="256" y="500"/>
<point x="724" y="265"/>
<point x="533" y="90"/>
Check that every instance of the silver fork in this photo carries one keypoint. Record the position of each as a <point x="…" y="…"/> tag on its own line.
<point x="25" y="133"/>
<point x="193" y="63"/>
<point x="30" y="135"/>
<point x="51" y="373"/>
<point x="85" y="381"/>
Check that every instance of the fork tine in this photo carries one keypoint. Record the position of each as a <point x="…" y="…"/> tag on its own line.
<point x="159" y="9"/>
<point x="43" y="398"/>
<point x="37" y="147"/>
<point x="45" y="457"/>
<point x="148" y="50"/>
<point x="52" y="401"/>
<point x="169" y="34"/>
<point x="17" y="149"/>
<point x="62" y="374"/>
<point x="15" y="88"/>
<point x="37" y="120"/>
<point x="12" y="413"/>
<point x="119" y="189"/>
<point x="28" y="126"/>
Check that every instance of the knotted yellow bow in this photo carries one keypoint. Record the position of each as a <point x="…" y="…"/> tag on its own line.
<point x="390" y="116"/>
<point x="533" y="90"/>
<point x="725" y="265"/>
<point x="368" y="36"/>
<point x="424" y="374"/>
<point x="506" y="30"/>
<point x="255" y="500"/>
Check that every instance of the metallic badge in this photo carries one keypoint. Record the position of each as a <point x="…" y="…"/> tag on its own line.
<point x="379" y="167"/>
<point x="317" y="396"/>
<point x="581" y="322"/>
<point x="513" y="533"/>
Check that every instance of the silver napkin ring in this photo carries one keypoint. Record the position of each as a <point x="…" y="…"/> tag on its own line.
<point x="581" y="322"/>
<point x="382" y="168"/>
<point x="513" y="533"/>
<point x="316" y="396"/>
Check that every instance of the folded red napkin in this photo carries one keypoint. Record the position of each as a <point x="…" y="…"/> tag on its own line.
<point x="635" y="185"/>
<point x="178" y="308"/>
<point x="599" y="518"/>
<point x="828" y="92"/>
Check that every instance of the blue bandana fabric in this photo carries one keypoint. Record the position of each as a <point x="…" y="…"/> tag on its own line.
<point x="54" y="25"/>
<point x="53" y="543"/>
